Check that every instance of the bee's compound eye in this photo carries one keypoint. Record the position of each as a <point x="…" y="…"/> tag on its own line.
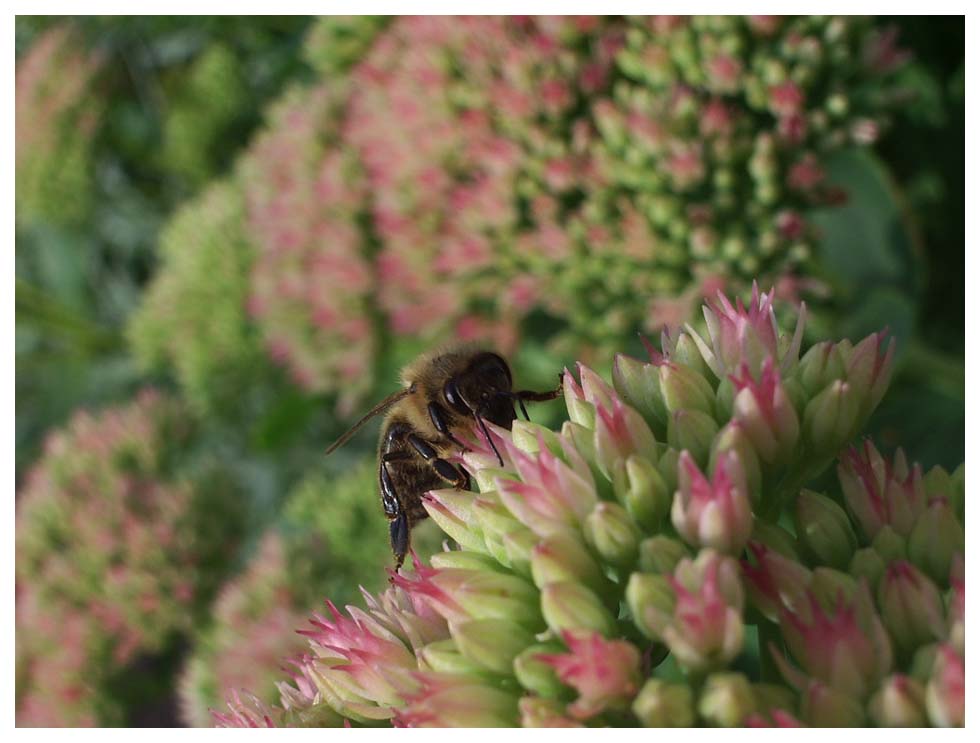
<point x="453" y="397"/>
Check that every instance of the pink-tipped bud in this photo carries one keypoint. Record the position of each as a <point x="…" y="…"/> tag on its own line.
<point x="774" y="582"/>
<point x="911" y="607"/>
<point x="868" y="367"/>
<point x="605" y="673"/>
<point x="715" y="514"/>
<point x="900" y="702"/>
<point x="879" y="492"/>
<point x="766" y="413"/>
<point x="945" y="693"/>
<point x="936" y="540"/>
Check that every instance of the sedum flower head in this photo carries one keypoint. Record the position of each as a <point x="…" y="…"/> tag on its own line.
<point x="568" y="598"/>
<point x="118" y="556"/>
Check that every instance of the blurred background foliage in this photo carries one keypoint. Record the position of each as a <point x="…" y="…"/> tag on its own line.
<point x="266" y="217"/>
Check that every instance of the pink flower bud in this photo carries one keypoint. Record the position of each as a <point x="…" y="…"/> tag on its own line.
<point x="880" y="493"/>
<point x="868" y="368"/>
<point x="766" y="413"/>
<point x="911" y="607"/>
<point x="900" y="702"/>
<point x="936" y="541"/>
<point x="605" y="673"/>
<point x="706" y="631"/>
<point x="846" y="648"/>
<point x="774" y="582"/>
<point x="714" y="514"/>
<point x="453" y="700"/>
<point x="746" y="335"/>
<point x="946" y="691"/>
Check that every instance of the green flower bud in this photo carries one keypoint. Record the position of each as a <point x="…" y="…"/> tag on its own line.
<point x="534" y="674"/>
<point x="686" y="352"/>
<point x="825" y="707"/>
<point x="491" y="643"/>
<point x="492" y="516"/>
<point x="937" y="483"/>
<point x="867" y="564"/>
<point x="644" y="493"/>
<point x="610" y="531"/>
<point x="899" y="703"/>
<point x="650" y="599"/>
<point x="923" y="662"/>
<point x="694" y="431"/>
<point x="775" y="538"/>
<point x="733" y="438"/>
<point x="889" y="545"/>
<point x="486" y="478"/>
<point x="660" y="704"/>
<point x="660" y="554"/>
<point x="562" y="557"/>
<point x="526" y="437"/>
<point x="453" y="512"/>
<point x="667" y="467"/>
<point x="820" y="366"/>
<point x="935" y="540"/>
<point x="464" y="559"/>
<point x="443" y="656"/>
<point x="639" y="385"/>
<point x="830" y="418"/>
<point x="726" y="700"/>
<point x="568" y="605"/>
<point x="823" y="529"/>
<point x="518" y="545"/>
<point x="828" y="586"/>
<point x="493" y="595"/>
<point x="684" y="389"/>
<point x="911" y="607"/>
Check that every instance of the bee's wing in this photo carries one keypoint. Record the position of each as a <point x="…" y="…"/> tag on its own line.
<point x="376" y="410"/>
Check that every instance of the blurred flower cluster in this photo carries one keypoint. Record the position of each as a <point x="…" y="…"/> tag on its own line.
<point x="55" y="124"/>
<point x="309" y="554"/>
<point x="119" y="552"/>
<point x="476" y="177"/>
<point x="660" y="560"/>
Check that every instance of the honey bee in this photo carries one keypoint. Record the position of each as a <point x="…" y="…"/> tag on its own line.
<point x="445" y="393"/>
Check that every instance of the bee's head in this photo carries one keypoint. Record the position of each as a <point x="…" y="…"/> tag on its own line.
<point x="483" y="388"/>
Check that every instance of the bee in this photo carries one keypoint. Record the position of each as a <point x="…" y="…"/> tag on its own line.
<point x="445" y="393"/>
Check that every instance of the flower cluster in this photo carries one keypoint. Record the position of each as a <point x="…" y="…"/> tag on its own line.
<point x="541" y="169"/>
<point x="117" y="555"/>
<point x="202" y="110"/>
<point x="194" y="315"/>
<point x="55" y="123"/>
<point x="719" y="127"/>
<point x="620" y="570"/>
<point x="311" y="276"/>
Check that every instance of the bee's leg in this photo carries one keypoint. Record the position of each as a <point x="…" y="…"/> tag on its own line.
<point x="446" y="470"/>
<point x="399" y="528"/>
<point x="437" y="414"/>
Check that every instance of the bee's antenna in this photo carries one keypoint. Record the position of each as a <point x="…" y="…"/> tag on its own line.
<point x="376" y="410"/>
<point x="483" y="427"/>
